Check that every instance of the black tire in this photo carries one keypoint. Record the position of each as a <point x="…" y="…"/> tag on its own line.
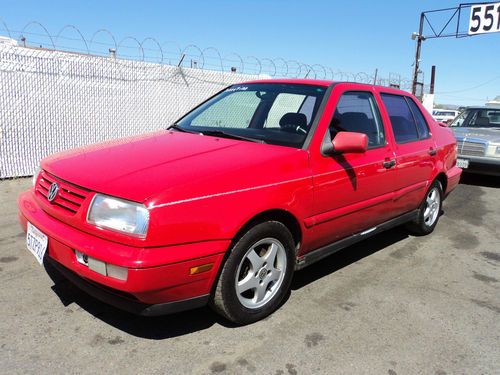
<point x="227" y="301"/>
<point x="422" y="225"/>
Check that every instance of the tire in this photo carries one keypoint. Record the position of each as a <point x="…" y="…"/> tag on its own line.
<point x="257" y="274"/>
<point x="429" y="211"/>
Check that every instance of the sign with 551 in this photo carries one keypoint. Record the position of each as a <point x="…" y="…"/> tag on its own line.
<point x="484" y="18"/>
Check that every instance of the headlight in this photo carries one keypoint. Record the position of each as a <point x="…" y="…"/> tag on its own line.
<point x="119" y="215"/>
<point x="493" y="150"/>
<point x="35" y="175"/>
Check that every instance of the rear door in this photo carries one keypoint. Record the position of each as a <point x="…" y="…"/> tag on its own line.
<point x="352" y="192"/>
<point x="415" y="150"/>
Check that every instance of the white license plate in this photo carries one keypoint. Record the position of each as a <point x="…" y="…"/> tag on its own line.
<point x="36" y="242"/>
<point x="462" y="163"/>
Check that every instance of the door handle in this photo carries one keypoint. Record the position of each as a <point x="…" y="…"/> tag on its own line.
<point x="389" y="163"/>
<point x="432" y="151"/>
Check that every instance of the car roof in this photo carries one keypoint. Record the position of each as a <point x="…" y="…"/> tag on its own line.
<point x="325" y="83"/>
<point x="483" y="107"/>
<point x="297" y="81"/>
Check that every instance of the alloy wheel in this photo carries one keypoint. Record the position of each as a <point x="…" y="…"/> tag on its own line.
<point x="261" y="273"/>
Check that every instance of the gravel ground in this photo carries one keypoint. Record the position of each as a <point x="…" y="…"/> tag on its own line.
<point x="394" y="304"/>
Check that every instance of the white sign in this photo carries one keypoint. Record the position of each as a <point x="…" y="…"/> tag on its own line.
<point x="484" y="18"/>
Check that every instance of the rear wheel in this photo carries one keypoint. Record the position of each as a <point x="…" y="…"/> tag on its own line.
<point x="257" y="274"/>
<point x="429" y="211"/>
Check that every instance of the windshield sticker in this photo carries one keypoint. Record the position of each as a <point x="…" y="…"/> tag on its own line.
<point x="237" y="88"/>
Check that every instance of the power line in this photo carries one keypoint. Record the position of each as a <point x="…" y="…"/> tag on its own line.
<point x="470" y="88"/>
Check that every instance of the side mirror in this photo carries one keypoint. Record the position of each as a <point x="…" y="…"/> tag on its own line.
<point x="443" y="124"/>
<point x="349" y="142"/>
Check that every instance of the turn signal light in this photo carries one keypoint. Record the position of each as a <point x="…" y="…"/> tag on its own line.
<point x="200" y="269"/>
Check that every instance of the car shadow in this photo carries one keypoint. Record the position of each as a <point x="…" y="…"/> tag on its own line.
<point x="480" y="180"/>
<point x="170" y="326"/>
<point x="153" y="328"/>
<point x="347" y="256"/>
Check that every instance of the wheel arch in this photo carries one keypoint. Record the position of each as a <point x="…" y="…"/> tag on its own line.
<point x="280" y="215"/>
<point x="441" y="177"/>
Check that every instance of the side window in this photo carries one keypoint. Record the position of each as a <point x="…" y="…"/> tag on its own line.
<point x="283" y="104"/>
<point x="234" y="110"/>
<point x="358" y="112"/>
<point x="494" y="117"/>
<point x="422" y="127"/>
<point x="402" y="121"/>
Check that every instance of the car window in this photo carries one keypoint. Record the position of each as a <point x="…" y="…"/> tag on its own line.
<point x="445" y="113"/>
<point x="486" y="118"/>
<point x="480" y="118"/>
<point x="232" y="111"/>
<point x="284" y="103"/>
<point x="307" y="107"/>
<point x="422" y="127"/>
<point x="459" y="120"/>
<point x="275" y="113"/>
<point x="494" y="117"/>
<point x="358" y="112"/>
<point x="402" y="120"/>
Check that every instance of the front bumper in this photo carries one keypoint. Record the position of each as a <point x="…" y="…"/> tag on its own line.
<point x="482" y="165"/>
<point x="123" y="303"/>
<point x="158" y="279"/>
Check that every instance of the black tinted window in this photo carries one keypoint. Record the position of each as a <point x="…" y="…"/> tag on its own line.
<point x="402" y="121"/>
<point x="358" y="112"/>
<point x="423" y="129"/>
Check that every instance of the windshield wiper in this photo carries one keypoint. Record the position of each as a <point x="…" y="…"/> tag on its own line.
<point x="220" y="133"/>
<point x="180" y="128"/>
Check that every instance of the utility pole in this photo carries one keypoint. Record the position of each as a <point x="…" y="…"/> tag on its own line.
<point x="433" y="79"/>
<point x="419" y="38"/>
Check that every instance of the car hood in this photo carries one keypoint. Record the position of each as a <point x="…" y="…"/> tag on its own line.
<point x="486" y="134"/>
<point x="141" y="167"/>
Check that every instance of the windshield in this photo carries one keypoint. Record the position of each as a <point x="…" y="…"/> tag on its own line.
<point x="478" y="118"/>
<point x="275" y="113"/>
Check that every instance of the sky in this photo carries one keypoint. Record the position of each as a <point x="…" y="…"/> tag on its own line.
<point x="350" y="36"/>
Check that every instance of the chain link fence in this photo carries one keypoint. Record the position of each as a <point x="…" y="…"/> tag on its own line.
<point x="52" y="101"/>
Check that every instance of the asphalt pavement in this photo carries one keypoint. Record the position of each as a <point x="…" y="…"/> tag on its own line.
<point x="393" y="304"/>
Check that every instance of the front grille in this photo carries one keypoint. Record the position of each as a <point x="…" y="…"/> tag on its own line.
<point x="469" y="148"/>
<point x="68" y="199"/>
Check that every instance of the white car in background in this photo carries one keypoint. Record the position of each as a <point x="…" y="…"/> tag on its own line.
<point x="444" y="115"/>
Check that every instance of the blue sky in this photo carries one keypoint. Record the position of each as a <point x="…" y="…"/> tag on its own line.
<point x="352" y="36"/>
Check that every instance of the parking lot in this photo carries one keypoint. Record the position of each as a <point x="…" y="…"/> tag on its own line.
<point x="394" y="304"/>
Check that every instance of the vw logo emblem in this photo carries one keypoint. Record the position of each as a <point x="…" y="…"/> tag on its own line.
<point x="53" y="190"/>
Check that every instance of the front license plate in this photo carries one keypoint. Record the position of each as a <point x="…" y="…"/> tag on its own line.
<point x="462" y="163"/>
<point x="36" y="242"/>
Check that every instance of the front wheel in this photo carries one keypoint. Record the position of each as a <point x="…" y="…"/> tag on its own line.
<point x="257" y="274"/>
<point x="429" y="211"/>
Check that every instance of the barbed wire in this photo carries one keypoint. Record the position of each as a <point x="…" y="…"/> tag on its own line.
<point x="35" y="34"/>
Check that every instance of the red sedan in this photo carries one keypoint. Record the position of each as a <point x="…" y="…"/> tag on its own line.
<point x="262" y="179"/>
